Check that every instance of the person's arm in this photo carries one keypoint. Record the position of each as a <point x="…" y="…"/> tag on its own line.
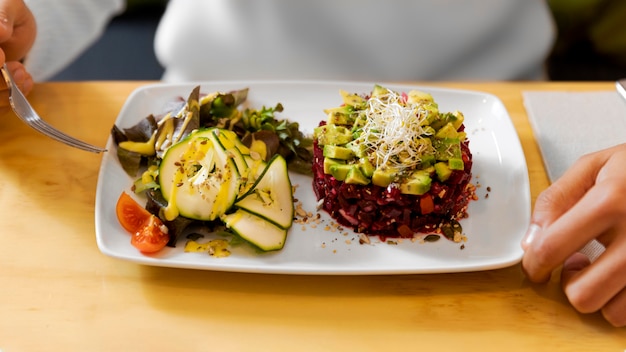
<point x="586" y="203"/>
<point x="65" y="29"/>
<point x="17" y="35"/>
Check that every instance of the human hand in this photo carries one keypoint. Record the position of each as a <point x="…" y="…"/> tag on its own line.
<point x="22" y="79"/>
<point x="17" y="30"/>
<point x="586" y="203"/>
<point x="17" y="35"/>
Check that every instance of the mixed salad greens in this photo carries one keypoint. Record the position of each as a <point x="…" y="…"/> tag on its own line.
<point x="212" y="150"/>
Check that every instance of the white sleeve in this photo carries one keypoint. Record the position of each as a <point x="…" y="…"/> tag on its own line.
<point x="65" y="29"/>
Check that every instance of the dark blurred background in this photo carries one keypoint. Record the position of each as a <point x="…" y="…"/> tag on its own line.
<point x="125" y="51"/>
<point x="591" y="44"/>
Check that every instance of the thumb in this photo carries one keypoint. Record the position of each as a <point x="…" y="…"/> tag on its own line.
<point x="568" y="189"/>
<point x="18" y="29"/>
<point x="7" y="20"/>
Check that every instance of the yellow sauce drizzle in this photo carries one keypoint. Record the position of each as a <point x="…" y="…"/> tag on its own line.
<point x="217" y="248"/>
<point x="143" y="148"/>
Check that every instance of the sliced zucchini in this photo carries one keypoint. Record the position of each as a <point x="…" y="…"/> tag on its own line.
<point x="261" y="233"/>
<point x="271" y="197"/>
<point x="198" y="178"/>
<point x="230" y="139"/>
<point x="246" y="166"/>
<point x="254" y="171"/>
<point x="230" y="143"/>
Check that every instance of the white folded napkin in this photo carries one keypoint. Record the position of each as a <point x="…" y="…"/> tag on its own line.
<point x="568" y="125"/>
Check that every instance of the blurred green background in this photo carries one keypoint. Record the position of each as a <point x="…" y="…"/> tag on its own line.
<point x="591" y="43"/>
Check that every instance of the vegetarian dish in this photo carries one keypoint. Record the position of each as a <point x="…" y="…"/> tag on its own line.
<point x="385" y="164"/>
<point x="391" y="164"/>
<point x="209" y="161"/>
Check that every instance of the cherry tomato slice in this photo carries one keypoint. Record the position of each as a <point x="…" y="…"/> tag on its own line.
<point x="130" y="214"/>
<point x="151" y="237"/>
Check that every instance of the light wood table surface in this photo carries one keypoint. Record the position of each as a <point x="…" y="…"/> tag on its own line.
<point x="59" y="293"/>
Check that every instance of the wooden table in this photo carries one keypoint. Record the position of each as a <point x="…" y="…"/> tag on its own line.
<point x="59" y="293"/>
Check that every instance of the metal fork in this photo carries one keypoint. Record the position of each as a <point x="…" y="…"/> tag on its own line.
<point x="620" y="85"/>
<point x="26" y="113"/>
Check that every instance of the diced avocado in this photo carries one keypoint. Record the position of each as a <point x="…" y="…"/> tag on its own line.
<point x="424" y="143"/>
<point x="443" y="171"/>
<point x="404" y="157"/>
<point x="359" y="122"/>
<point x="367" y="167"/>
<point x="328" y="162"/>
<point x="447" y="131"/>
<point x="427" y="161"/>
<point x="428" y="131"/>
<point x="340" y="171"/>
<point x="337" y="118"/>
<point x="428" y="170"/>
<point x="340" y="115"/>
<point x="432" y="111"/>
<point x="332" y="134"/>
<point x="357" y="148"/>
<point x="447" y="148"/>
<point x="456" y="118"/>
<point x="456" y="163"/>
<point x="337" y="152"/>
<point x="417" y="183"/>
<point x="379" y="90"/>
<point x="355" y="176"/>
<point x="383" y="176"/>
<point x="416" y="96"/>
<point x="351" y="99"/>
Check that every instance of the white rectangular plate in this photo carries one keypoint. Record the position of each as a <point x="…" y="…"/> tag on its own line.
<point x="494" y="228"/>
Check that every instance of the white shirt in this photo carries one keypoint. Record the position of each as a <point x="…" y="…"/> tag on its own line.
<point x="382" y="40"/>
<point x="65" y="29"/>
<point x="387" y="40"/>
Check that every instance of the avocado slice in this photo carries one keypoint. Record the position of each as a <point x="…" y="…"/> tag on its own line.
<point x="447" y="148"/>
<point x="367" y="168"/>
<point x="417" y="183"/>
<point x="332" y="134"/>
<point x="443" y="171"/>
<point x="356" y="176"/>
<point x="456" y="164"/>
<point x="384" y="176"/>
<point x="352" y="100"/>
<point x="340" y="171"/>
<point x="447" y="131"/>
<point x="337" y="152"/>
<point x="379" y="90"/>
<point x="328" y="162"/>
<point x="340" y="115"/>
<point x="359" y="149"/>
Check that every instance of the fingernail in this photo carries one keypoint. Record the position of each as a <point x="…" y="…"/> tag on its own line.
<point x="530" y="235"/>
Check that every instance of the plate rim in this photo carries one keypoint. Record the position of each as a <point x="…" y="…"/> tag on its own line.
<point x="504" y="261"/>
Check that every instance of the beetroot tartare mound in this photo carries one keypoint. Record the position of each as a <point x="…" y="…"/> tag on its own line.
<point x="391" y="165"/>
